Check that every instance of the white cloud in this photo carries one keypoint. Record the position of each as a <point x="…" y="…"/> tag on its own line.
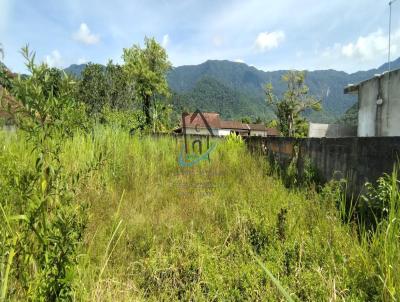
<point x="54" y="59"/>
<point x="165" y="41"/>
<point x="368" y="47"/>
<point x="239" y="61"/>
<point x="365" y="52"/>
<point x="82" y="61"/>
<point x="85" y="36"/>
<point x="269" y="40"/>
<point x="218" y="41"/>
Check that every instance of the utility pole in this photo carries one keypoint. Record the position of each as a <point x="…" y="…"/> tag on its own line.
<point x="388" y="87"/>
<point x="390" y="28"/>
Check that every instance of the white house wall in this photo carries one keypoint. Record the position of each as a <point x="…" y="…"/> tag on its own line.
<point x="201" y="131"/>
<point x="224" y="132"/>
<point x="330" y="130"/>
<point x="392" y="110"/>
<point x="221" y="132"/>
<point x="379" y="120"/>
<point x="258" y="133"/>
<point x="367" y="95"/>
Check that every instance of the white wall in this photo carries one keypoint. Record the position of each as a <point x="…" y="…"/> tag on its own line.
<point x="330" y="130"/>
<point x="391" y="127"/>
<point x="367" y="95"/>
<point x="317" y="130"/>
<point x="258" y="133"/>
<point x="380" y="120"/>
<point x="221" y="132"/>
<point x="201" y="131"/>
<point x="224" y="132"/>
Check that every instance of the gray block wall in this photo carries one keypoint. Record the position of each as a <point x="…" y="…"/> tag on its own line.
<point x="358" y="159"/>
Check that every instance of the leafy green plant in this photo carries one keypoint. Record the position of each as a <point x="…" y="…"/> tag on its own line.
<point x="125" y="119"/>
<point x="374" y="205"/>
<point x="45" y="223"/>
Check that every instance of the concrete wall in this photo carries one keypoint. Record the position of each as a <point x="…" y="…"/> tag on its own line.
<point x="357" y="159"/>
<point x="375" y="119"/>
<point x="258" y="133"/>
<point x="220" y="132"/>
<point x="200" y="131"/>
<point x="330" y="130"/>
<point x="224" y="132"/>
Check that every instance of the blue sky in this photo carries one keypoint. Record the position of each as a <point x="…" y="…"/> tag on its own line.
<point x="270" y="35"/>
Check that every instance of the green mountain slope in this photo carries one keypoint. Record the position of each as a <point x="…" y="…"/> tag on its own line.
<point x="208" y="94"/>
<point x="236" y="89"/>
<point x="75" y="69"/>
<point x="326" y="84"/>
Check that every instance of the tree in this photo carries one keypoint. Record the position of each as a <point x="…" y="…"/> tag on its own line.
<point x="105" y="86"/>
<point x="246" y="120"/>
<point x="272" y="123"/>
<point x="119" y="93"/>
<point x="147" y="68"/>
<point x="51" y="227"/>
<point x="5" y="75"/>
<point x="52" y="82"/>
<point x="295" y="100"/>
<point x="258" y="120"/>
<point x="92" y="89"/>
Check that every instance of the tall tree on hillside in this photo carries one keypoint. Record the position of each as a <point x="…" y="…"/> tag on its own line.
<point x="147" y="67"/>
<point x="295" y="100"/>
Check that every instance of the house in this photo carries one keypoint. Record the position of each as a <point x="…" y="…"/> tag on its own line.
<point x="200" y="123"/>
<point x="273" y="132"/>
<point x="228" y="127"/>
<point x="210" y="123"/>
<point x="378" y="104"/>
<point x="258" y="130"/>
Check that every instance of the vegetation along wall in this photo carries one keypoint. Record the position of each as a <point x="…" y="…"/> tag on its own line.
<point x="358" y="159"/>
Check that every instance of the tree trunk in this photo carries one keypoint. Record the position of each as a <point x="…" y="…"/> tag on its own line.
<point x="290" y="125"/>
<point x="146" y="109"/>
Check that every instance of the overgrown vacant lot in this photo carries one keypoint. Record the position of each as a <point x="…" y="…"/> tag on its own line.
<point x="156" y="231"/>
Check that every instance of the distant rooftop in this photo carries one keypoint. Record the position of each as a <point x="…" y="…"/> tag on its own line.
<point x="213" y="120"/>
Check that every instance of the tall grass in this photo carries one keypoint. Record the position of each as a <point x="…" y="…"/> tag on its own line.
<point x="157" y="231"/>
<point x="383" y="240"/>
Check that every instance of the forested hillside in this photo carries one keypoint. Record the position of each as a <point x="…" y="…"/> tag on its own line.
<point x="236" y="89"/>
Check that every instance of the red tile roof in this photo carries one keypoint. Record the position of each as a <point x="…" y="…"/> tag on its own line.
<point x="201" y="120"/>
<point x="212" y="119"/>
<point x="257" y="127"/>
<point x="273" y="132"/>
<point x="233" y="125"/>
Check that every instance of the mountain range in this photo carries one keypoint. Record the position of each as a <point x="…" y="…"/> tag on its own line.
<point x="236" y="90"/>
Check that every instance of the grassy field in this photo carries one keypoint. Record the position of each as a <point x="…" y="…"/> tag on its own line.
<point x="212" y="232"/>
